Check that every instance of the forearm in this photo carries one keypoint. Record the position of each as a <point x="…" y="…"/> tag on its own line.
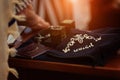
<point x="40" y="25"/>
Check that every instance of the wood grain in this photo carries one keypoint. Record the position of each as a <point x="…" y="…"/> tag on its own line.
<point x="111" y="69"/>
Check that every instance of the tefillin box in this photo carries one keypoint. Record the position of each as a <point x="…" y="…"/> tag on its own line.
<point x="69" y="25"/>
<point x="58" y="33"/>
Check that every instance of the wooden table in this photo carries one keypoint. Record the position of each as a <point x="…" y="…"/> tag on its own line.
<point x="110" y="70"/>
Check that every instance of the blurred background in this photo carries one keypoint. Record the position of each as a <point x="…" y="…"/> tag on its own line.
<point x="56" y="11"/>
<point x="87" y="14"/>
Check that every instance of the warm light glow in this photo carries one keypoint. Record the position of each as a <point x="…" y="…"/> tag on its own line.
<point x="73" y="1"/>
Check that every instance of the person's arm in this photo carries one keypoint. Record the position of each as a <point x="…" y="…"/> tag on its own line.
<point x="33" y="21"/>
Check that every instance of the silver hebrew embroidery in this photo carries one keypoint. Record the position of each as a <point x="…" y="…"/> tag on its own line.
<point x="80" y="39"/>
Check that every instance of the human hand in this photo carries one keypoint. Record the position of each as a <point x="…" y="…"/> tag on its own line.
<point x="33" y="21"/>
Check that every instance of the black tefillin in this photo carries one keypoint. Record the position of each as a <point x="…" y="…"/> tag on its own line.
<point x="12" y="21"/>
<point x="55" y="34"/>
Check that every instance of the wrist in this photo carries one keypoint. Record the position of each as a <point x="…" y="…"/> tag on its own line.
<point x="39" y="24"/>
<point x="44" y="25"/>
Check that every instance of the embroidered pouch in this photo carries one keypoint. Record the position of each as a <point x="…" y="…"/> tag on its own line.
<point x="89" y="45"/>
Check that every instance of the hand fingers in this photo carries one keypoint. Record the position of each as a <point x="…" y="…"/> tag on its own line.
<point x="24" y="5"/>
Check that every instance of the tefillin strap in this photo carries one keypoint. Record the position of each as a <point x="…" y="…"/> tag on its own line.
<point x="12" y="21"/>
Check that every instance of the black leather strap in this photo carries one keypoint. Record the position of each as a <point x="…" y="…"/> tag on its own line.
<point x="11" y="22"/>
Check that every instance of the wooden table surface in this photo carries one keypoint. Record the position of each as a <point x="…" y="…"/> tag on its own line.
<point x="111" y="69"/>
